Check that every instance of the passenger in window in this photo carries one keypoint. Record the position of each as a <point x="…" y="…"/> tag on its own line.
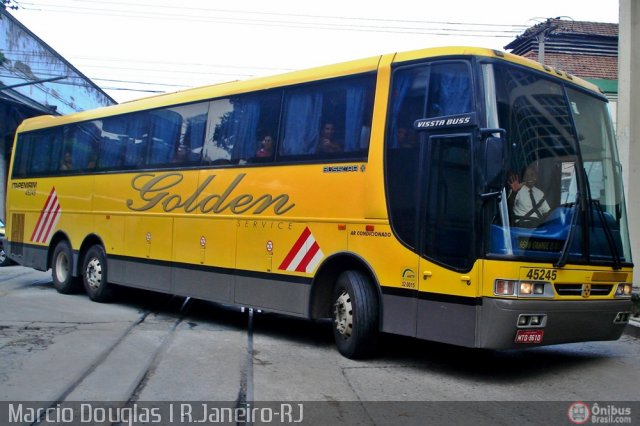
<point x="266" y="147"/>
<point x="92" y="163"/>
<point x="66" y="163"/>
<point x="529" y="205"/>
<point x="328" y="143"/>
<point x="180" y="155"/>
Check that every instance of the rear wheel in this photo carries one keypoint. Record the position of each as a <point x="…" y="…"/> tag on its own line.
<point x="62" y="269"/>
<point x="94" y="275"/>
<point x="355" y="315"/>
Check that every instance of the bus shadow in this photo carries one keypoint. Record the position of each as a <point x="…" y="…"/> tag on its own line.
<point x="489" y="366"/>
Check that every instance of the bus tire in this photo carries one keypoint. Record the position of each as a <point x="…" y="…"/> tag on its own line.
<point x="355" y="315"/>
<point x="62" y="269"/>
<point x="94" y="275"/>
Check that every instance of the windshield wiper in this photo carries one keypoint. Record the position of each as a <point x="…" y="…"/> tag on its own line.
<point x="617" y="264"/>
<point x="564" y="253"/>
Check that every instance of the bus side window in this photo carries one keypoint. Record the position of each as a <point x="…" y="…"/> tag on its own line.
<point x="218" y="142"/>
<point x="194" y="128"/>
<point x="124" y="141"/>
<point x="165" y="129"/>
<point x="81" y="143"/>
<point x="44" y="151"/>
<point x="328" y="120"/>
<point x="237" y="126"/>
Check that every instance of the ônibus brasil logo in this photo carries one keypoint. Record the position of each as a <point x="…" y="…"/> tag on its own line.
<point x="579" y="413"/>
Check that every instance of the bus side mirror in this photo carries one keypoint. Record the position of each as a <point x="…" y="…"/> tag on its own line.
<point x="494" y="161"/>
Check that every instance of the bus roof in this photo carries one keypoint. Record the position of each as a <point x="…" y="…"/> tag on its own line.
<point x="294" y="77"/>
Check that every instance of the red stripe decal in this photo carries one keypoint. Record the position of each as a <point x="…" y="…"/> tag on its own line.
<point x="307" y="257"/>
<point x="294" y="250"/>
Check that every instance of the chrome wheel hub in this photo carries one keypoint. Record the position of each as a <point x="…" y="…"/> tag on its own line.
<point x="94" y="273"/>
<point x="343" y="315"/>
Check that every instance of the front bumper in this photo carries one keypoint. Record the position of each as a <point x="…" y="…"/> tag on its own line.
<point x="566" y="321"/>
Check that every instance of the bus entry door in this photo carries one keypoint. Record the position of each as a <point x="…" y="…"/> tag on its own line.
<point x="446" y="305"/>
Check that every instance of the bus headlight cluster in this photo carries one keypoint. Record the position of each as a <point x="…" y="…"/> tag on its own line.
<point x="624" y="290"/>
<point x="522" y="288"/>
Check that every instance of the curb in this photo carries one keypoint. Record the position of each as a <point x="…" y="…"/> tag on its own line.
<point x="633" y="328"/>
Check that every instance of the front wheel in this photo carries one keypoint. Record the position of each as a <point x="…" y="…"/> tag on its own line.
<point x="355" y="315"/>
<point x="94" y="275"/>
<point x="62" y="269"/>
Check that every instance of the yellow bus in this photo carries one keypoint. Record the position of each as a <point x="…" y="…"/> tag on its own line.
<point x="460" y="195"/>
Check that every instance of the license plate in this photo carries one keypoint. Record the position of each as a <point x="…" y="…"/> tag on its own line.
<point x="529" y="336"/>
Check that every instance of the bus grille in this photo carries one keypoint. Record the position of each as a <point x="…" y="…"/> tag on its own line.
<point x="576" y="289"/>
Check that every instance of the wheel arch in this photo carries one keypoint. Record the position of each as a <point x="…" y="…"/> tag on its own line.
<point x="322" y="286"/>
<point x="89" y="241"/>
<point x="55" y="240"/>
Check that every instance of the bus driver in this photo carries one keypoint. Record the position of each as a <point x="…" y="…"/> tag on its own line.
<point x="529" y="205"/>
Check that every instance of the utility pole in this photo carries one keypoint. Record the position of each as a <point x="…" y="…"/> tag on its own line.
<point x="541" y="37"/>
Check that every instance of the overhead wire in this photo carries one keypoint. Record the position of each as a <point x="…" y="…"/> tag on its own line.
<point x="282" y="20"/>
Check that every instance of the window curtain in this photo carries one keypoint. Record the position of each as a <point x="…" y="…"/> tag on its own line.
<point x="84" y="145"/>
<point x="450" y="92"/>
<point x="356" y="96"/>
<point x="401" y="84"/>
<point x="111" y="142"/>
<point x="246" y="113"/>
<point x="194" y="136"/>
<point x="302" y="123"/>
<point x="165" y="133"/>
<point x="137" y="132"/>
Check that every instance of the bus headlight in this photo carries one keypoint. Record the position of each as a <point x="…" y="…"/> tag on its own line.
<point x="504" y="287"/>
<point x="518" y="288"/>
<point x="531" y="288"/>
<point x="624" y="290"/>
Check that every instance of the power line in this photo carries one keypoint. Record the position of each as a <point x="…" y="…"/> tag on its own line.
<point x="82" y="57"/>
<point x="254" y="18"/>
<point x="181" y="8"/>
<point x="502" y="33"/>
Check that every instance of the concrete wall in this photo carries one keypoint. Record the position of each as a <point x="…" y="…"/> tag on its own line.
<point x="628" y="123"/>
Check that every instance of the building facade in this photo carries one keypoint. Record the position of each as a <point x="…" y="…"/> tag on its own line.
<point x="35" y="80"/>
<point x="588" y="50"/>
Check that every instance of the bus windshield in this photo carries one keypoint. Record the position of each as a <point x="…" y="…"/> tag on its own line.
<point x="563" y="198"/>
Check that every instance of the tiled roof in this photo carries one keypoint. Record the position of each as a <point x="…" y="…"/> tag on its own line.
<point x="561" y="26"/>
<point x="585" y="66"/>
<point x="584" y="49"/>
